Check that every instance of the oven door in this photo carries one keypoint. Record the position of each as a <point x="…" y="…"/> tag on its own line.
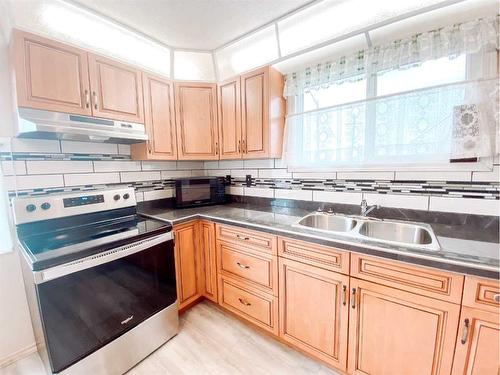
<point x="88" y="303"/>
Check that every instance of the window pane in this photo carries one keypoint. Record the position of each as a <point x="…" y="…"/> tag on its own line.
<point x="335" y="94"/>
<point x="429" y="73"/>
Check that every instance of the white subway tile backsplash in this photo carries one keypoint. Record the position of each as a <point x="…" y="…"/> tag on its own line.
<point x="234" y="190"/>
<point x="280" y="163"/>
<point x="258" y="192"/>
<point x="91" y="178"/>
<point x="315" y="175"/>
<point x="211" y="164"/>
<point x="117" y="166"/>
<point x="139" y="196"/>
<point x="124" y="149"/>
<point x="140" y="176"/>
<point x="72" y="147"/>
<point x="158" y="194"/>
<point x="433" y="176"/>
<point x="35" y="181"/>
<point x="243" y="172"/>
<point x="217" y="172"/>
<point x="11" y="167"/>
<point x="230" y="164"/>
<point x="168" y="175"/>
<point x="259" y="163"/>
<point x="475" y="206"/>
<point x="337" y="197"/>
<point x="189" y="165"/>
<point x="58" y="166"/>
<point x="414" y="202"/>
<point x="46" y="146"/>
<point x="303" y="195"/>
<point x="489" y="176"/>
<point x="365" y="175"/>
<point x="198" y="172"/>
<point x="159" y="165"/>
<point x="274" y="173"/>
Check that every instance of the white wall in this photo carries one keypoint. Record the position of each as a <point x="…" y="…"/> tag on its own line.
<point x="16" y="333"/>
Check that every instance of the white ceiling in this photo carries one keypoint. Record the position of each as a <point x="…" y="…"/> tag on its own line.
<point x="197" y="24"/>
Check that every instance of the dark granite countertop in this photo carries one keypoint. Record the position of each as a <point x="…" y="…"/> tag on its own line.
<point x="459" y="255"/>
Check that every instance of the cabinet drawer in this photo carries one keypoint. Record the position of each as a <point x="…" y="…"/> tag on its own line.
<point x="257" y="307"/>
<point x="259" y="269"/>
<point x="326" y="257"/>
<point x="259" y="240"/>
<point x="480" y="293"/>
<point x="430" y="282"/>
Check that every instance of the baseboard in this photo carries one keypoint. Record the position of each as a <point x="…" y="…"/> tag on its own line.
<point x="16" y="356"/>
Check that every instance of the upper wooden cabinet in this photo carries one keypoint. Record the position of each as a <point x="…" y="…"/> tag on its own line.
<point x="57" y="77"/>
<point x="252" y="115"/>
<point x="50" y="75"/>
<point x="116" y="90"/>
<point x="196" y="119"/>
<point x="159" y="114"/>
<point x="228" y="94"/>
<point x="391" y="330"/>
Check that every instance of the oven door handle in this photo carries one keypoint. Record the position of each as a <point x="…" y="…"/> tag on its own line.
<point x="99" y="258"/>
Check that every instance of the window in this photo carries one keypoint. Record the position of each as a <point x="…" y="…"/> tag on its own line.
<point x="407" y="118"/>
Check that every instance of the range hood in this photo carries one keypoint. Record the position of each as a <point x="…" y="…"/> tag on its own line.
<point x="36" y="123"/>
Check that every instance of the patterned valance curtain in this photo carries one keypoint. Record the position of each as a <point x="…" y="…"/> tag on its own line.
<point x="450" y="41"/>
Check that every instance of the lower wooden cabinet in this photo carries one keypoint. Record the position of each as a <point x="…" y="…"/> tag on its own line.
<point x="477" y="350"/>
<point x="314" y="311"/>
<point x="187" y="263"/>
<point x="208" y="255"/>
<point x="394" y="332"/>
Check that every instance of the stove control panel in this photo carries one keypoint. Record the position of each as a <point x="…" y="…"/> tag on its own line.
<point x="30" y="209"/>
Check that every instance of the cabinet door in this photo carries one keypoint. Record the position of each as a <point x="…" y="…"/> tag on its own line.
<point x="391" y="330"/>
<point x="51" y="75"/>
<point x="187" y="263"/>
<point x="116" y="90"/>
<point x="195" y="108"/>
<point x="159" y="119"/>
<point x="314" y="311"/>
<point x="255" y="113"/>
<point x="207" y="246"/>
<point x="477" y="343"/>
<point x="229" y="104"/>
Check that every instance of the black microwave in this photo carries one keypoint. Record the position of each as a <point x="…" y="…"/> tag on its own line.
<point x="199" y="191"/>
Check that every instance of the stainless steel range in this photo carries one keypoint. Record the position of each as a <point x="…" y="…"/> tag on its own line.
<point x="100" y="280"/>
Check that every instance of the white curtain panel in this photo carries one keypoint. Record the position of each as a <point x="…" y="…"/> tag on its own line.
<point x="451" y="41"/>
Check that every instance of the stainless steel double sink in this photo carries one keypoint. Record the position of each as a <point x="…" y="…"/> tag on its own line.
<point x="392" y="232"/>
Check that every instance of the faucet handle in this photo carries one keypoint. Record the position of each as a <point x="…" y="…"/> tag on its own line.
<point x="319" y="209"/>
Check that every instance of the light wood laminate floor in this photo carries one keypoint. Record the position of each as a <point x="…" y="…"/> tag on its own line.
<point x="210" y="341"/>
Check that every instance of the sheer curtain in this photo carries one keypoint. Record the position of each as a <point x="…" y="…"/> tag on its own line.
<point x="430" y="125"/>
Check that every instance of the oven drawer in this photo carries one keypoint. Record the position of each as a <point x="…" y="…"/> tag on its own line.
<point x="261" y="270"/>
<point x="255" y="306"/>
<point x="258" y="240"/>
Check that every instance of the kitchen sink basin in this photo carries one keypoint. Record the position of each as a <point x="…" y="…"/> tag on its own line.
<point x="411" y="234"/>
<point x="328" y="222"/>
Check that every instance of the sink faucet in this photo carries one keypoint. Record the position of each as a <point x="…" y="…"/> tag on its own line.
<point x="365" y="210"/>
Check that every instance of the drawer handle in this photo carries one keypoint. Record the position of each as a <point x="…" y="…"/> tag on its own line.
<point x="242" y="238"/>
<point x="344" y="295"/>
<point x="243" y="302"/>
<point x="353" y="298"/>
<point x="465" y="331"/>
<point x="496" y="297"/>
<point x="242" y="265"/>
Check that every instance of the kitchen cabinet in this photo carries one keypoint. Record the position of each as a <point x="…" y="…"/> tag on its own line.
<point x="187" y="263"/>
<point x="50" y="75"/>
<point x="263" y="111"/>
<point x="477" y="345"/>
<point x="116" y="90"/>
<point x="196" y="121"/>
<point x="159" y="115"/>
<point x="314" y="311"/>
<point x="228" y="94"/>
<point x="251" y="115"/>
<point x="208" y="255"/>
<point x="391" y="330"/>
